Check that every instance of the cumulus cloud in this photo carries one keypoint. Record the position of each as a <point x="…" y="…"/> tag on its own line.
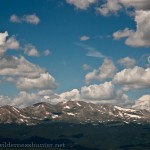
<point x="7" y="44"/>
<point x="25" y="74"/>
<point x="141" y="12"/>
<point x="4" y="100"/>
<point x="140" y="37"/>
<point x="34" y="83"/>
<point x="137" y="4"/>
<point x="110" y="7"/>
<point x="31" y="19"/>
<point x="122" y="34"/>
<point x="148" y="61"/>
<point x="105" y="71"/>
<point x="25" y="98"/>
<point x="133" y="78"/>
<point x="127" y="62"/>
<point x="91" y="76"/>
<point x="143" y="103"/>
<point x="104" y="93"/>
<point x="3" y="37"/>
<point x="31" y="50"/>
<point x="71" y="95"/>
<point x="97" y="92"/>
<point x="84" y="38"/>
<point x="86" y="67"/>
<point x="44" y="81"/>
<point x="19" y="67"/>
<point x="81" y="4"/>
<point x="113" y="6"/>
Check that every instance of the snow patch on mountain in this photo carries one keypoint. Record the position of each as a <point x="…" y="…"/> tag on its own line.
<point x="67" y="107"/>
<point x="55" y="116"/>
<point x="125" y="109"/>
<point x="78" y="104"/>
<point x="71" y="114"/>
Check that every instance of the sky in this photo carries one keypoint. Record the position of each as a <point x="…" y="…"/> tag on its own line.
<point x="92" y="50"/>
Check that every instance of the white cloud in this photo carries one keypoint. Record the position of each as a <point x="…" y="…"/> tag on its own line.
<point x="140" y="36"/>
<point x="31" y="50"/>
<point x="7" y="44"/>
<point x="140" y="9"/>
<point x="127" y="62"/>
<point x="15" y="19"/>
<point x="91" y="76"/>
<point x="96" y="92"/>
<point x="81" y="4"/>
<point x="113" y="6"/>
<point x="44" y="81"/>
<point x="91" y="51"/>
<point x="122" y="34"/>
<point x="24" y="98"/>
<point x="148" y="62"/>
<point x="148" y="59"/>
<point x="143" y="103"/>
<point x="104" y="93"/>
<point x="110" y="7"/>
<point x="47" y="52"/>
<point x="71" y="95"/>
<point x="31" y="19"/>
<point x="19" y="67"/>
<point x="48" y="92"/>
<point x="86" y="67"/>
<point x="137" y="4"/>
<point x="84" y="38"/>
<point x="94" y="53"/>
<point x="105" y="71"/>
<point x="135" y="78"/>
<point x="24" y="74"/>
<point x="12" y="43"/>
<point x="4" y="100"/>
<point x="3" y="37"/>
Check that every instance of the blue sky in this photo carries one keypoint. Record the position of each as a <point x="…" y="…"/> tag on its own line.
<point x="59" y="29"/>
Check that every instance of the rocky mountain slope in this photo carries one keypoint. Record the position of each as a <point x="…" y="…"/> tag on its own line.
<point x="72" y="112"/>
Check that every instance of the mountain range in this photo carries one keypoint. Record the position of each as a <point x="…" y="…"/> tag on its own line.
<point x="72" y="112"/>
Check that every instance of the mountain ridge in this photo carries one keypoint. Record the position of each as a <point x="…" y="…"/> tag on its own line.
<point x="71" y="112"/>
